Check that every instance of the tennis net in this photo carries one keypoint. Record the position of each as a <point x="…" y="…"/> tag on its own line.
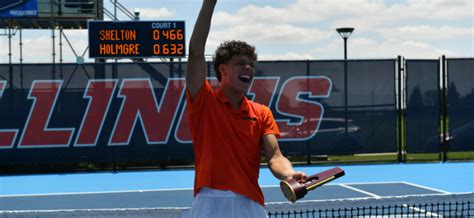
<point x="434" y="205"/>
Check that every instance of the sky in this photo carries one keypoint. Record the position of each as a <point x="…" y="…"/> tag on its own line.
<point x="297" y="29"/>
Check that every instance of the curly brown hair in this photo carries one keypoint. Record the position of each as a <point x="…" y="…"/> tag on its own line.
<point x="228" y="49"/>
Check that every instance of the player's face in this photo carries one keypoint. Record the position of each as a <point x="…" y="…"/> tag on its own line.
<point x="238" y="73"/>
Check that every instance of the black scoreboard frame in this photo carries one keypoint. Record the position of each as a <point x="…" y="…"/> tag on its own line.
<point x="136" y="39"/>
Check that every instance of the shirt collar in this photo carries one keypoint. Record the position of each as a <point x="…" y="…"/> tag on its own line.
<point x="244" y="106"/>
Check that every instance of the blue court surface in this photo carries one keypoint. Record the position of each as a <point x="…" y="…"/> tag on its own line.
<point x="173" y="188"/>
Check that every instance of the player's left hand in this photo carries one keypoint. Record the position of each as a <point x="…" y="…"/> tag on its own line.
<point x="299" y="176"/>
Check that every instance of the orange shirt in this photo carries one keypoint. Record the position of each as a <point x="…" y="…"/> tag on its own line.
<point x="227" y="142"/>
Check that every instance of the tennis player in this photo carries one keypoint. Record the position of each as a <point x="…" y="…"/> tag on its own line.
<point x="228" y="130"/>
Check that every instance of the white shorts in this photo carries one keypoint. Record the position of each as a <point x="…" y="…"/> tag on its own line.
<point x="217" y="203"/>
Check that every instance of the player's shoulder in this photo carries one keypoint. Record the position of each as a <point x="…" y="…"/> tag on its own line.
<point x="259" y="108"/>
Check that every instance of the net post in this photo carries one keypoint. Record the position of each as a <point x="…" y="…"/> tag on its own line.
<point x="444" y="110"/>
<point x="400" y="117"/>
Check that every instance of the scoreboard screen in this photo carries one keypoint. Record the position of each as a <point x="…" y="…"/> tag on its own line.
<point x="136" y="39"/>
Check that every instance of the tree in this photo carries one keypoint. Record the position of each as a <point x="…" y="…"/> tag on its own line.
<point x="415" y="101"/>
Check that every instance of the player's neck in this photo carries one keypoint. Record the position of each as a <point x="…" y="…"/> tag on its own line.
<point x="234" y="97"/>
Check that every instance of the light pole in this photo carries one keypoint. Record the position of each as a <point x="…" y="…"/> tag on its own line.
<point x="345" y="32"/>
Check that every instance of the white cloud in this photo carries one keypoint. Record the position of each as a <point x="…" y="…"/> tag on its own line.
<point x="437" y="9"/>
<point x="391" y="48"/>
<point x="427" y="33"/>
<point x="306" y="28"/>
<point x="158" y="13"/>
<point x="35" y="48"/>
<point x="415" y="28"/>
<point x="367" y="48"/>
<point x="38" y="46"/>
<point x="263" y="33"/>
<point x="378" y="11"/>
<point x="287" y="56"/>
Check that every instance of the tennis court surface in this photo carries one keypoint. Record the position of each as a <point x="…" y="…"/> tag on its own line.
<point x="399" y="190"/>
<point x="325" y="201"/>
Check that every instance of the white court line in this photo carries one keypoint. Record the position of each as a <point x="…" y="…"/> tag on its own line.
<point x="185" y="189"/>
<point x="361" y="191"/>
<point x="400" y="182"/>
<point x="404" y="205"/>
<point x="277" y="186"/>
<point x="350" y="183"/>
<point x="428" y="188"/>
<point x="103" y="192"/>
<point x="421" y="210"/>
<point x="374" y="183"/>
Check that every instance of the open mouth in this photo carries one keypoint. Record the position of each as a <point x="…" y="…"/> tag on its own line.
<point x="244" y="78"/>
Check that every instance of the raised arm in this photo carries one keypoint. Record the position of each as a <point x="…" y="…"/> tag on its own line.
<point x="196" y="67"/>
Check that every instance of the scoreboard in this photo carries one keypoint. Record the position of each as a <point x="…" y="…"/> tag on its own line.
<point x="136" y="39"/>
